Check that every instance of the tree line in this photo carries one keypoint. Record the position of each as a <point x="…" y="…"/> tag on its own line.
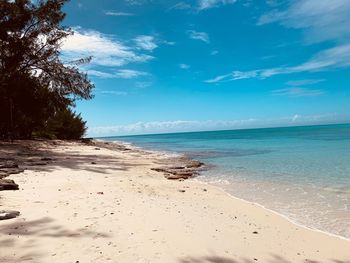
<point x="37" y="90"/>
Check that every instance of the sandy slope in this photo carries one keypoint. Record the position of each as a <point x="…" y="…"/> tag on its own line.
<point x="118" y="210"/>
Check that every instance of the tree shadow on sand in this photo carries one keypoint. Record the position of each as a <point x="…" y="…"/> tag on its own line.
<point x="44" y="227"/>
<point x="41" y="156"/>
<point x="29" y="249"/>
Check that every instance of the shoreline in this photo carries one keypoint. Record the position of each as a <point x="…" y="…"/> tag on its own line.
<point x="122" y="211"/>
<point x="195" y="178"/>
<point x="275" y="212"/>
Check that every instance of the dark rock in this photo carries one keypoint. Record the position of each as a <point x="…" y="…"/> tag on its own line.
<point x="194" y="164"/>
<point x="183" y="173"/>
<point x="176" y="172"/>
<point x="176" y="177"/>
<point x="8" y="164"/>
<point x="36" y="163"/>
<point x="159" y="169"/>
<point x="176" y="167"/>
<point x="46" y="159"/>
<point x="182" y="191"/>
<point x="8" y="171"/>
<point x="255" y="232"/>
<point x="7" y="184"/>
<point x="8" y="214"/>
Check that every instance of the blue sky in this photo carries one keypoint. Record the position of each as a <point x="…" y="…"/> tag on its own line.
<point x="171" y="66"/>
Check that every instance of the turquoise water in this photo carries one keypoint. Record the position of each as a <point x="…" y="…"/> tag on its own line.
<point x="300" y="172"/>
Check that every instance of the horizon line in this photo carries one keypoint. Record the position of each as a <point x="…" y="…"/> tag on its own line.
<point x="236" y="129"/>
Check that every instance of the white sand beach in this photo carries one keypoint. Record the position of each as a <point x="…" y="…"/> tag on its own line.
<point x="93" y="204"/>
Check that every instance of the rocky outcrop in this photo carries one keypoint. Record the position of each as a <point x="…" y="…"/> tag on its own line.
<point x="8" y="214"/>
<point x="8" y="184"/>
<point x="180" y="172"/>
<point x="8" y="167"/>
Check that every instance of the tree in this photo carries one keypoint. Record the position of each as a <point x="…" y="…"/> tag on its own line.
<point x="64" y="124"/>
<point x="34" y="82"/>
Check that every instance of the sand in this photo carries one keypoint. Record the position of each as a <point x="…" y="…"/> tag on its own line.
<point x="100" y="205"/>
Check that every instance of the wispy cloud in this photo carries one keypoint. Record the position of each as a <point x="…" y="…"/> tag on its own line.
<point x="337" y="57"/>
<point x="100" y="74"/>
<point x="170" y="43"/>
<point x="136" y="2"/>
<point x="145" y="42"/>
<point x="113" y="92"/>
<point x="214" y="52"/>
<point x="119" y="74"/>
<point x="180" y="6"/>
<point x="114" y="13"/>
<point x="202" y="36"/>
<point x="321" y="20"/>
<point x="184" y="66"/>
<point x="129" y="73"/>
<point x="143" y="84"/>
<point x="298" y="92"/>
<point x="105" y="49"/>
<point x="207" y="4"/>
<point x="303" y="82"/>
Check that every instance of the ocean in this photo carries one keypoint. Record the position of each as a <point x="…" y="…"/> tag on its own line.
<point x="302" y="173"/>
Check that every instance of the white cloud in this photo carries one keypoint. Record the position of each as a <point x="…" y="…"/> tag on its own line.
<point x="145" y="42"/>
<point x="337" y="57"/>
<point x="184" y="66"/>
<point x="105" y="50"/>
<point x="295" y="117"/>
<point x="303" y="82"/>
<point x="206" y="4"/>
<point x="143" y="84"/>
<point x="114" y="13"/>
<point x="119" y="74"/>
<point x="321" y="19"/>
<point x="298" y="92"/>
<point x="100" y="74"/>
<point x="129" y="73"/>
<point x="167" y="126"/>
<point x="170" y="43"/>
<point x="180" y="6"/>
<point x="209" y="125"/>
<point x="113" y="92"/>
<point x="219" y="78"/>
<point x="202" y="36"/>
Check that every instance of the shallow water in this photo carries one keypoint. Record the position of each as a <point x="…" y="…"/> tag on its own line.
<point x="300" y="172"/>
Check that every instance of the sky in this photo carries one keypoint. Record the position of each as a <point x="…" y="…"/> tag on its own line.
<point x="173" y="66"/>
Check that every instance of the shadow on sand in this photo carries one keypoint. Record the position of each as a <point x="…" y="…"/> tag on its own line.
<point x="40" y="156"/>
<point x="11" y="232"/>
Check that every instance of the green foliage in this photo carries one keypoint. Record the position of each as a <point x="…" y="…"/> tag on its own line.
<point x="35" y="86"/>
<point x="66" y="124"/>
